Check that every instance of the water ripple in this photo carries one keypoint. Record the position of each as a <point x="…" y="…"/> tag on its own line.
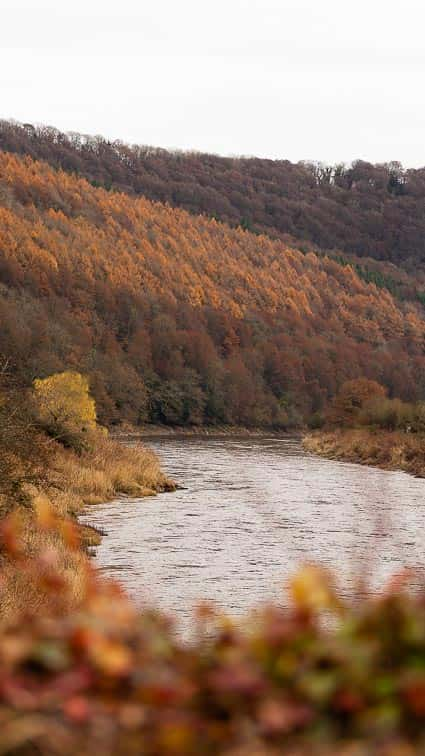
<point x="252" y="511"/>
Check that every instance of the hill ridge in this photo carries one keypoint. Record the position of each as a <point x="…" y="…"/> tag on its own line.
<point x="181" y="319"/>
<point x="362" y="209"/>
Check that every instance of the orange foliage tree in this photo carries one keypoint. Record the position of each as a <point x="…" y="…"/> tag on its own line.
<point x="352" y="398"/>
<point x="123" y="289"/>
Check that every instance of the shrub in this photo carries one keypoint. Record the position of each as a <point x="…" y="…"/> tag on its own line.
<point x="391" y="414"/>
<point x="64" y="407"/>
<point x="95" y="675"/>
<point x="316" y="421"/>
<point x="418" y="422"/>
<point x="351" y="399"/>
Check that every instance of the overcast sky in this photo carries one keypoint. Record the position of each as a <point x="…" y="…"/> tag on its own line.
<point x="330" y="80"/>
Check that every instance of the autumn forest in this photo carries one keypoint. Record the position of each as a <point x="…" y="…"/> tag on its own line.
<point x="180" y="318"/>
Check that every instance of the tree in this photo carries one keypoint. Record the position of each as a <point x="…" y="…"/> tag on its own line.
<point x="391" y="414"/>
<point x="63" y="405"/>
<point x="351" y="399"/>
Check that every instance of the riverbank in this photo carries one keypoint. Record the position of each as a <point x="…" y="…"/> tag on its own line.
<point x="389" y="450"/>
<point x="132" y="432"/>
<point x="48" y="521"/>
<point x="108" y="470"/>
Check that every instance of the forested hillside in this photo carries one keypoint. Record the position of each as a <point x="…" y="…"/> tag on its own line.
<point x="367" y="210"/>
<point x="179" y="319"/>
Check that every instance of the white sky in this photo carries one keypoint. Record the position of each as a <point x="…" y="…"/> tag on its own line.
<point x="327" y="80"/>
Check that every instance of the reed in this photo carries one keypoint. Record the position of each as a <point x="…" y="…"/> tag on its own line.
<point x="105" y="470"/>
<point x="390" y="450"/>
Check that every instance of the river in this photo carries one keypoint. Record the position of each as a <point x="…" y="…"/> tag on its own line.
<point x="253" y="510"/>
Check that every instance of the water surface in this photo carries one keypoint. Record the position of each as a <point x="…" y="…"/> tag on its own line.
<point x="252" y="510"/>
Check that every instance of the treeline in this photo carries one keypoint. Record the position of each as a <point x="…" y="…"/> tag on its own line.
<point x="182" y="320"/>
<point x="362" y="209"/>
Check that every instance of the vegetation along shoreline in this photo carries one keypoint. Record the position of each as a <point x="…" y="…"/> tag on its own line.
<point x="363" y="425"/>
<point x="55" y="460"/>
<point x="389" y="451"/>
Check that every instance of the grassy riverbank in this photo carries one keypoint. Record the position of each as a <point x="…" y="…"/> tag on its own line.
<point x="363" y="425"/>
<point x="107" y="469"/>
<point x="70" y="482"/>
<point x="390" y="450"/>
<point x="54" y="460"/>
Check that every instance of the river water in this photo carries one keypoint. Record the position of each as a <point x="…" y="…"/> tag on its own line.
<point x="252" y="511"/>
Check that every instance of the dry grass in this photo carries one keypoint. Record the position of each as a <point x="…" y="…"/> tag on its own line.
<point x="73" y="481"/>
<point x="21" y="591"/>
<point x="390" y="450"/>
<point x="106" y="471"/>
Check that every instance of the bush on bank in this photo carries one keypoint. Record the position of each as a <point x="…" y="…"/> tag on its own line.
<point x="50" y="444"/>
<point x="364" y="403"/>
<point x="52" y="454"/>
<point x="363" y="425"/>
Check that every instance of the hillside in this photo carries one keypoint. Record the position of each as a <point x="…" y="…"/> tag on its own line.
<point x="179" y="319"/>
<point x="371" y="211"/>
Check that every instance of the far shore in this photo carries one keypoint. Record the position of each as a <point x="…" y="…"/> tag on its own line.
<point x="213" y="431"/>
<point x="388" y="450"/>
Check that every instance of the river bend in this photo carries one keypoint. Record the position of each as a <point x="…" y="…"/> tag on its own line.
<point x="251" y="511"/>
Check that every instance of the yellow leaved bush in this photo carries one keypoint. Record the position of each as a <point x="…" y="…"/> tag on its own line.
<point x="63" y="403"/>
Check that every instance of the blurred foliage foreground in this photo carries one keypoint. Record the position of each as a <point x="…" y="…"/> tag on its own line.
<point x="103" y="677"/>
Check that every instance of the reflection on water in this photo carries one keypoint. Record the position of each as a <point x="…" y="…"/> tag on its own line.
<point x="251" y="511"/>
